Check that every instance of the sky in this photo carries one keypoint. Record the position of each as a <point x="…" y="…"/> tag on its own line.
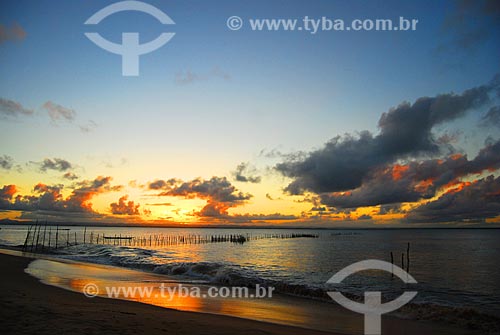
<point x="221" y="126"/>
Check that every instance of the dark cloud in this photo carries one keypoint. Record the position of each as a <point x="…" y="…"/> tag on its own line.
<point x="163" y="184"/>
<point x="6" y="162"/>
<point x="70" y="176"/>
<point x="56" y="164"/>
<point x="49" y="197"/>
<point x="273" y="153"/>
<point x="124" y="207"/>
<point x="415" y="180"/>
<point x="405" y="132"/>
<point x="57" y="112"/>
<point x="161" y="204"/>
<point x="216" y="188"/>
<point x="246" y="174"/>
<point x="492" y="118"/>
<point x="218" y="191"/>
<point x="13" y="33"/>
<point x="9" y="108"/>
<point x="261" y="217"/>
<point x="473" y="202"/>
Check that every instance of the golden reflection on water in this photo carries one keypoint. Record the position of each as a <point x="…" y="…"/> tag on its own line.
<point x="75" y="276"/>
<point x="245" y="308"/>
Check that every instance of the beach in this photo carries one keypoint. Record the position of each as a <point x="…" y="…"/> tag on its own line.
<point x="31" y="307"/>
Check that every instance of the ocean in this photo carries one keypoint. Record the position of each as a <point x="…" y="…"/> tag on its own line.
<point x="456" y="269"/>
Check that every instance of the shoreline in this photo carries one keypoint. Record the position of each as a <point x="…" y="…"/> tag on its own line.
<point x="206" y="226"/>
<point x="31" y="307"/>
<point x="21" y="291"/>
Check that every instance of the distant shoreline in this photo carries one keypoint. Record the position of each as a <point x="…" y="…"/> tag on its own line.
<point x="228" y="226"/>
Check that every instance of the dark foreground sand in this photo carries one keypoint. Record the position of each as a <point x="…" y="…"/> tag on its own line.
<point x="30" y="307"/>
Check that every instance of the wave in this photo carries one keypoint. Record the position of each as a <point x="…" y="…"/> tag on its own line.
<point x="463" y="317"/>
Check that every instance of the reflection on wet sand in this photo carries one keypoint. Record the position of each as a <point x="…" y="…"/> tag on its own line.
<point x="278" y="309"/>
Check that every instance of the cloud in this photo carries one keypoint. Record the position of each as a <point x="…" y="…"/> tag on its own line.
<point x="57" y="112"/>
<point x="216" y="188"/>
<point x="88" y="127"/>
<point x="6" y="162"/>
<point x="70" y="176"/>
<point x="218" y="191"/>
<point x="189" y="77"/>
<point x="492" y="118"/>
<point x="9" y="108"/>
<point x="473" y="202"/>
<point x="14" y="33"/>
<point x="414" y="181"/>
<point x="124" y="207"/>
<point x="49" y="198"/>
<point x="391" y="209"/>
<point x="246" y="174"/>
<point x="238" y="218"/>
<point x="56" y="164"/>
<point x="87" y="189"/>
<point x="6" y="194"/>
<point x="405" y="132"/>
<point x="162" y="184"/>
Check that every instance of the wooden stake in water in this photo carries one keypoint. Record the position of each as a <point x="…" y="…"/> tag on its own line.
<point x="392" y="265"/>
<point x="37" y="236"/>
<point x="50" y="235"/>
<point x="27" y="237"/>
<point x="408" y="258"/>
<point x="57" y="235"/>
<point x="44" y="231"/>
